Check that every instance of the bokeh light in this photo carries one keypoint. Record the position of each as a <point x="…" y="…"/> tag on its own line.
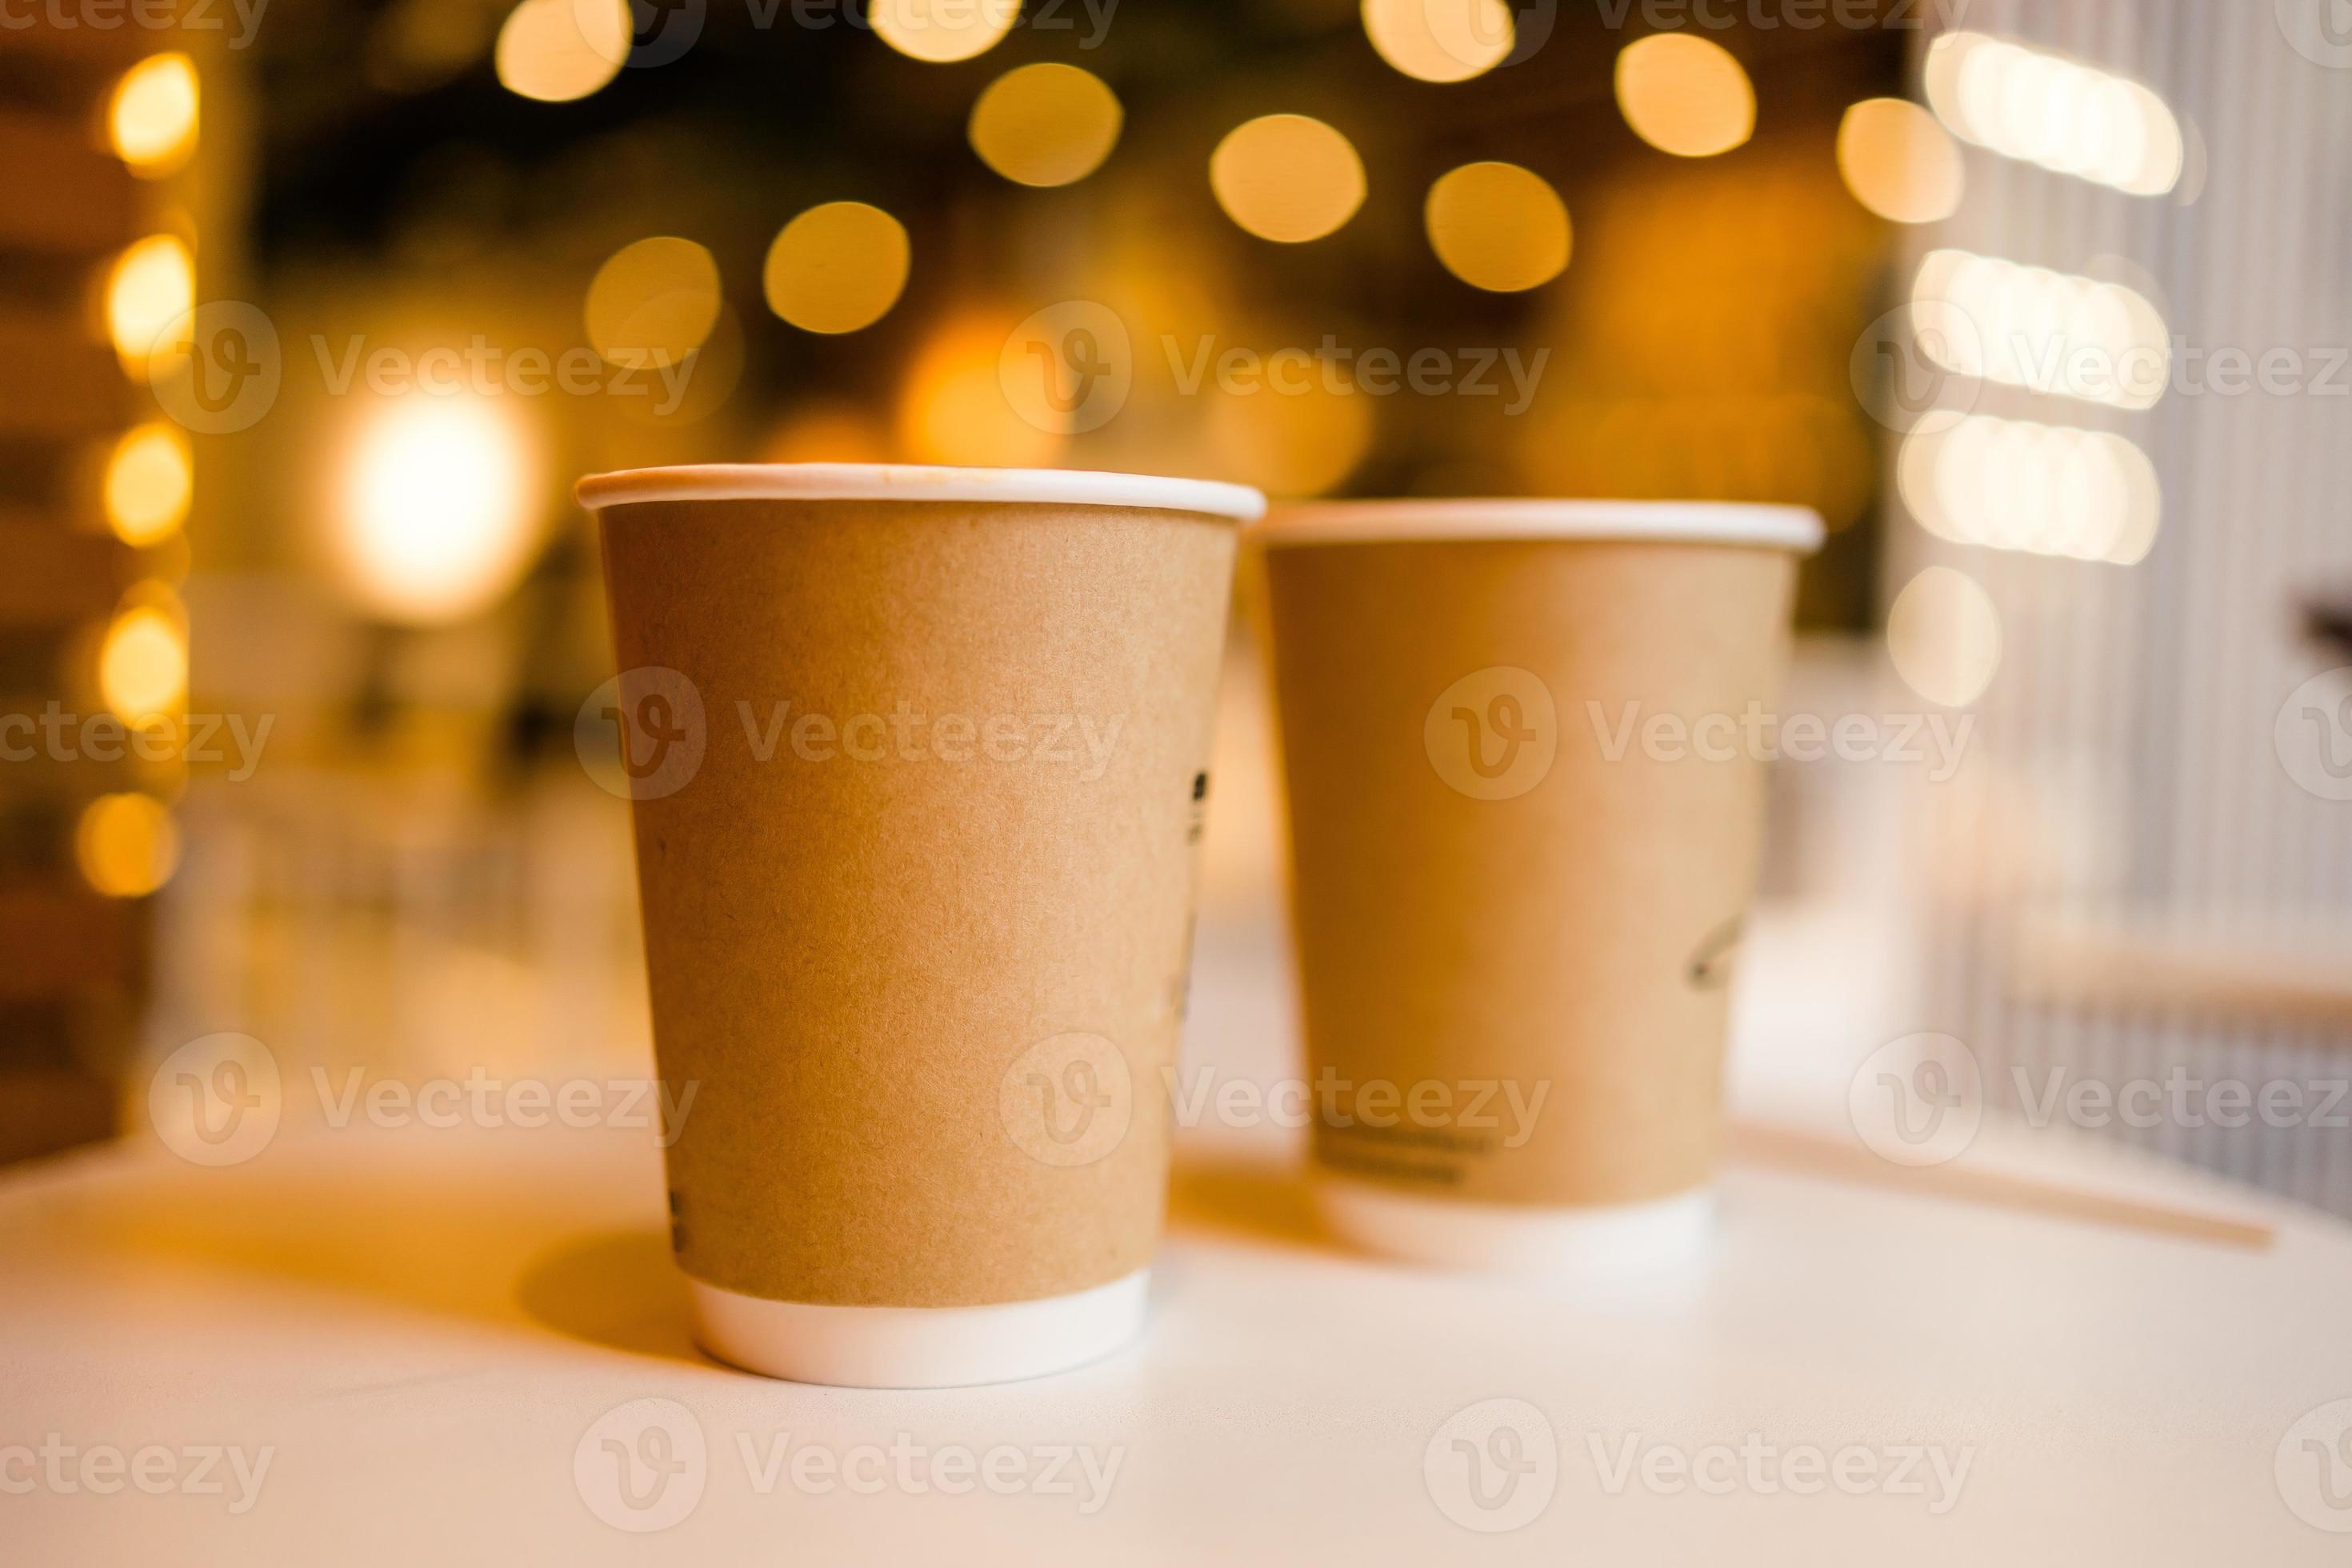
<point x="1498" y="226"/>
<point x="1287" y="177"/>
<point x="653" y="303"/>
<point x="143" y="664"/>
<point x="559" y="50"/>
<point x="1899" y="162"/>
<point x="952" y="408"/>
<point x="151" y="119"/>
<point x="437" y="514"/>
<point x="1943" y="633"/>
<point x="150" y="479"/>
<point x="827" y="432"/>
<point x="126" y="844"/>
<point x="151" y="289"/>
<point x="942" y="30"/>
<point x="1685" y="94"/>
<point x="1046" y="124"/>
<point x="1290" y="444"/>
<point x="2051" y="333"/>
<point x="836" y="268"/>
<point x="1440" y="40"/>
<point x="2047" y="110"/>
<point x="2046" y="489"/>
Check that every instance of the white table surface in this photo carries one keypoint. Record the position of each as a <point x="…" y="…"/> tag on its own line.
<point x="420" y="1327"/>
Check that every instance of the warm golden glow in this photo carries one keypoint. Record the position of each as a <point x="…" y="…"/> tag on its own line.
<point x="1684" y="94"/>
<point x="1046" y="124"/>
<point x="439" y="514"/>
<point x="827" y="433"/>
<point x="2046" y="489"/>
<point x="559" y="50"/>
<point x="1287" y="177"/>
<point x="1290" y="444"/>
<point x="1944" y="636"/>
<point x="943" y="30"/>
<point x="152" y="120"/>
<point x="1899" y="162"/>
<point x="653" y="303"/>
<point x="952" y="408"/>
<point x="836" y="268"/>
<point x="149" y="482"/>
<point x="1440" y="40"/>
<point x="143" y="664"/>
<point x="150" y="290"/>
<point x="2047" y="110"/>
<point x="1498" y="226"/>
<point x="2050" y="332"/>
<point x="126" y="844"/>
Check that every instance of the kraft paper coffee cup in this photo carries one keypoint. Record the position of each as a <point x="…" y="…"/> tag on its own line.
<point x="1517" y="895"/>
<point x="918" y="760"/>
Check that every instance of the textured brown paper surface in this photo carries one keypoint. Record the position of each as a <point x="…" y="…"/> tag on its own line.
<point x="1563" y="927"/>
<point x="924" y="1004"/>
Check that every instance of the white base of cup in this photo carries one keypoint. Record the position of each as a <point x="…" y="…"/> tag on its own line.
<point x="918" y="1347"/>
<point x="1509" y="1238"/>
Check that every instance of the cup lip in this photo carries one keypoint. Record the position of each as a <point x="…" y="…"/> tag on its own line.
<point x="919" y="482"/>
<point x="1468" y="518"/>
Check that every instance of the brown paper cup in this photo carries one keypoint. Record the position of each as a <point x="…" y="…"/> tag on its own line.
<point x="918" y="760"/>
<point x="1516" y="894"/>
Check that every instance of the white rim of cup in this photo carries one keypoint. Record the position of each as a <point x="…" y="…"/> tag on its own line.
<point x="919" y="482"/>
<point x="1446" y="520"/>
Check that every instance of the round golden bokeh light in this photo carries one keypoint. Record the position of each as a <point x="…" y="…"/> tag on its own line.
<point x="1046" y="124"/>
<point x="653" y="302"/>
<point x="1685" y="94"/>
<point x="151" y="119"/>
<point x="836" y="268"/>
<point x="1899" y="162"/>
<point x="1498" y="226"/>
<point x="1287" y="177"/>
<point x="1440" y="40"/>
<point x="942" y="31"/>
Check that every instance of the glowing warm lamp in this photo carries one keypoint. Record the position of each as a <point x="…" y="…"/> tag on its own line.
<point x="436" y="520"/>
<point x="151" y="287"/>
<point x="2048" y="110"/>
<point x="1899" y="162"/>
<point x="1046" y="124"/>
<point x="836" y="268"/>
<point x="1498" y="226"/>
<point x="143" y="664"/>
<point x="151" y="119"/>
<point x="559" y="50"/>
<point x="150" y="479"/>
<point x="1685" y="94"/>
<point x="653" y="303"/>
<point x="1440" y="40"/>
<point x="126" y="844"/>
<point x="1287" y="177"/>
<point x="942" y="31"/>
<point x="1943" y="633"/>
